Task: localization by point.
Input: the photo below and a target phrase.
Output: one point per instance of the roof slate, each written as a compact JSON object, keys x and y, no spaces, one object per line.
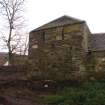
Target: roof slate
{"x":98,"y":42}
{"x":64,"y":20}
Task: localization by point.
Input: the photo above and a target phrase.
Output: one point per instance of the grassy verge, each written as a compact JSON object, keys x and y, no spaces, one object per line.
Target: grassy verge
{"x":90,"y":93}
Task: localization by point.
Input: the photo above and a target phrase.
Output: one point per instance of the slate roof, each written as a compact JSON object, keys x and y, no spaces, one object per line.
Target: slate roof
{"x":64,"y":20}
{"x":98,"y":42}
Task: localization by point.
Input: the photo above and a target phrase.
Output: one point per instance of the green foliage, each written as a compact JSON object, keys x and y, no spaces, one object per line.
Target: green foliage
{"x":54,"y":99}
{"x":91,"y":93}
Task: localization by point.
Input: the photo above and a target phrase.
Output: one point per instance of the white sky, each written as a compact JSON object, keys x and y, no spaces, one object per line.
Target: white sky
{"x":40,"y":12}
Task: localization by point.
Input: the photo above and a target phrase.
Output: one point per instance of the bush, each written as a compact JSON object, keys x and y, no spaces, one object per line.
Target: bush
{"x":91,"y":93}
{"x":53,"y":99}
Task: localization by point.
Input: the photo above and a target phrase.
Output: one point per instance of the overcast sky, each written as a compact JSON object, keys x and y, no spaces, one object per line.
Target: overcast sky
{"x":39,"y":12}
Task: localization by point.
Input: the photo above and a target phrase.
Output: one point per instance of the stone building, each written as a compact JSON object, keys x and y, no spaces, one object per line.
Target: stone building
{"x":65,"y":44}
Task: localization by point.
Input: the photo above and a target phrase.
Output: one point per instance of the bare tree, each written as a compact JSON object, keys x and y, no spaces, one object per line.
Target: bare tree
{"x":21,"y":45}
{"x":12,"y":10}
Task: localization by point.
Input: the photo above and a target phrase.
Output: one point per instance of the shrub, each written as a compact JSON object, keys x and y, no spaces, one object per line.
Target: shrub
{"x":91,"y":93}
{"x":53,"y":99}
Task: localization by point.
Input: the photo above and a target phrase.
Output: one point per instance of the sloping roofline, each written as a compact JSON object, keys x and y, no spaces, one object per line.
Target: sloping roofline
{"x":61,"y":21}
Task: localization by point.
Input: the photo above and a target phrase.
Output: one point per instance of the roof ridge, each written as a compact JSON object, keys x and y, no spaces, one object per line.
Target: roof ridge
{"x":61,"y":21}
{"x":72,"y":17}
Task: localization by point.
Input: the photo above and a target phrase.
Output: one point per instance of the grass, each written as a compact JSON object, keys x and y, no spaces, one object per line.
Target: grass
{"x":90,"y":93}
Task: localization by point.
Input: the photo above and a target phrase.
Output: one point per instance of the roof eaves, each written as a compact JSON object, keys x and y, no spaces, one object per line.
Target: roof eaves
{"x":35,"y":30}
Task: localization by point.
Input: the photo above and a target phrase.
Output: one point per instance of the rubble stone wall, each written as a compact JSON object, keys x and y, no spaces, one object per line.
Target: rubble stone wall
{"x":60,"y":48}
